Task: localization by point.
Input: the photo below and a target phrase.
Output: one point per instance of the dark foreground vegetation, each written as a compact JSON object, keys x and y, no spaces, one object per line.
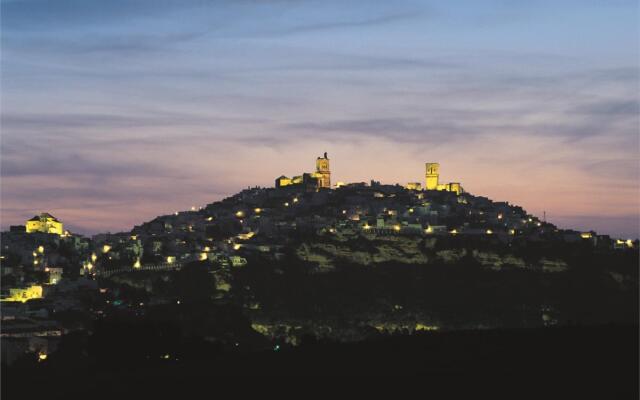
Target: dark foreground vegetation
{"x":595,"y":361}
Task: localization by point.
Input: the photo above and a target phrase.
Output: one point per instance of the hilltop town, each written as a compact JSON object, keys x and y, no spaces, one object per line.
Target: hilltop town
{"x":304,"y":232}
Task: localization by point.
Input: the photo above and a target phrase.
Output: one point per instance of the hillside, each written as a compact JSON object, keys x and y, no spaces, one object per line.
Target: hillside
{"x":342,"y":262}
{"x":345,"y":264}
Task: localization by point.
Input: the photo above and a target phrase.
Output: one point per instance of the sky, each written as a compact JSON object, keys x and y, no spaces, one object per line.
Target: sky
{"x":114,"y":112}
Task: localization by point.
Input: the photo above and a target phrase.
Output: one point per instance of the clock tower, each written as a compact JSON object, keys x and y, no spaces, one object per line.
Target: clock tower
{"x":432,"y":176}
{"x":322,"y":172}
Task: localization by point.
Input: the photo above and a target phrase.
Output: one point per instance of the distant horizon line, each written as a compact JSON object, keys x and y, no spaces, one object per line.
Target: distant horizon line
{"x":90,"y":232}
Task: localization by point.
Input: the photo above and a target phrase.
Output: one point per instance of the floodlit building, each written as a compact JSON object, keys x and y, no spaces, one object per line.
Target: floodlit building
{"x":24,"y":294}
{"x":282,"y":181}
{"x":306,"y":179}
{"x":45,"y":223}
{"x":432,"y":180}
{"x":432,"y":176}
{"x":323,"y":173}
{"x":321,"y":178}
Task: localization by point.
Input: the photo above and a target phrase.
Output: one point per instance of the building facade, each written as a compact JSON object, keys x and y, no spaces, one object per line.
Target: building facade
{"x":432,"y":176}
{"x":45,"y":223}
{"x":323,"y":172}
{"x":432,"y":180}
{"x":321,"y":178}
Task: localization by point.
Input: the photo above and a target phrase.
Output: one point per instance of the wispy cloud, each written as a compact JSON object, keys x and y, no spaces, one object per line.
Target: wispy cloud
{"x":116,"y":111}
{"x":613,"y":108}
{"x":339,"y":25}
{"x":44,"y":164}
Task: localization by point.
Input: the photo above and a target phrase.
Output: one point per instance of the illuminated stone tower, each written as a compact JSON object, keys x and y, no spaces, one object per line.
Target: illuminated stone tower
{"x":432,"y":176}
{"x":322,"y":172}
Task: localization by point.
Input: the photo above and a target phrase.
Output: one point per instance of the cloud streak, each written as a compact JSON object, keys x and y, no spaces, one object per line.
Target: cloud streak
{"x":115,"y":112}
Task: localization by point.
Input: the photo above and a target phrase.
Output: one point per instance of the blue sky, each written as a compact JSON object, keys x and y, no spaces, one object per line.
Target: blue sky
{"x":116,"y":111}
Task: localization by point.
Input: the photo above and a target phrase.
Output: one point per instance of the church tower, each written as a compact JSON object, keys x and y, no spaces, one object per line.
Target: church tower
{"x":322,"y":172}
{"x":432,"y":175}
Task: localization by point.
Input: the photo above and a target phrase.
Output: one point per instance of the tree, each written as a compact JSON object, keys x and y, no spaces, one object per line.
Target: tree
{"x":194,"y":283}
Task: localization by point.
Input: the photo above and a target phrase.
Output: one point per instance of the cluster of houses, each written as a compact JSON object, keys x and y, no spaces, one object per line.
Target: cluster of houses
{"x":45,"y":268}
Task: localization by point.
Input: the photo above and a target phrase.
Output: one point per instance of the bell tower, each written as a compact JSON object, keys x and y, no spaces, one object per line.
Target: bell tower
{"x":432,"y":176}
{"x":322,"y":172}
